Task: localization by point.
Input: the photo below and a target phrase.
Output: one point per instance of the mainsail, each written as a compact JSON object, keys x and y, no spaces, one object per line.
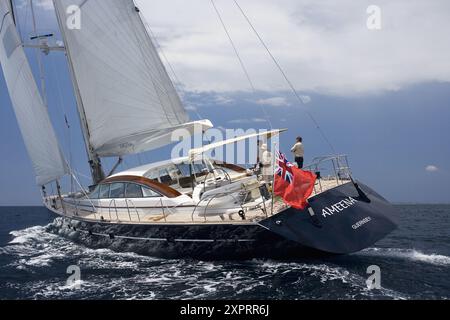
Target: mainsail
{"x":127,"y":99}
{"x":32,"y":116}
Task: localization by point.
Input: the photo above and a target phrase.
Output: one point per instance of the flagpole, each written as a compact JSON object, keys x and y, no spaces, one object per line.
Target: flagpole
{"x":273,"y":176}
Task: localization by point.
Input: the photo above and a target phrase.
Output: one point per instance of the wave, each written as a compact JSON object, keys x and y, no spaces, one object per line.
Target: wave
{"x":410,"y":254}
{"x":38,"y":248}
{"x":106,"y":274}
{"x":329,"y":275}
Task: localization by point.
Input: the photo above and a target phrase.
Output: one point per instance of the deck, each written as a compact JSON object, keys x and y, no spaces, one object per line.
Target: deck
{"x":253,"y":212}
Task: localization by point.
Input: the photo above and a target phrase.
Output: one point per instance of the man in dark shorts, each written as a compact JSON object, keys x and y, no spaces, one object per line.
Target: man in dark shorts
{"x":299,"y":152}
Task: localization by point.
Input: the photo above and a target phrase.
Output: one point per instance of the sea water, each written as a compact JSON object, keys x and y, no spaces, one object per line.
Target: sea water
{"x":414,"y":263}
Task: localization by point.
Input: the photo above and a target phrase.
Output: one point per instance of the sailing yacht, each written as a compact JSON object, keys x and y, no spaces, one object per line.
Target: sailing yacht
{"x":193,"y":206}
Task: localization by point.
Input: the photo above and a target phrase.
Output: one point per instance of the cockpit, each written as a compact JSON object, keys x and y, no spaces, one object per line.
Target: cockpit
{"x":181,"y":175}
{"x":169,"y":179}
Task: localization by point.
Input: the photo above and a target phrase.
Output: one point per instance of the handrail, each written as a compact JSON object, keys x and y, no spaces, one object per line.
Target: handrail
{"x":115,"y":208}
{"x":135,"y":209}
{"x":242,"y":200}
{"x":164,"y":213}
{"x":336,"y":160}
{"x":212,"y":197}
{"x":339,"y":165}
{"x":128,"y":209}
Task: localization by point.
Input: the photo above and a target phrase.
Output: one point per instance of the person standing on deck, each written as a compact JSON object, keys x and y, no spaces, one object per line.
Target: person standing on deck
{"x":266,"y":163}
{"x":299,"y":152}
{"x":259,"y":154}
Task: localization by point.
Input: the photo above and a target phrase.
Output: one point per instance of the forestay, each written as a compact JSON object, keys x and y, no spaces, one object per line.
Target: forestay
{"x":32,"y":116}
{"x":127,"y":97}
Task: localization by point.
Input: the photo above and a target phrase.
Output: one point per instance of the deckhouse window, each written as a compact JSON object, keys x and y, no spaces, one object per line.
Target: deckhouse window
{"x":184,"y":169}
{"x":164,"y":177}
{"x":104,"y":191}
{"x":117,"y":190}
{"x":152,"y":175}
{"x":199,"y":168}
{"x":187,"y":169}
{"x":134,"y":191}
{"x":95,"y":194}
{"x":149,"y":193}
{"x":167,"y":176}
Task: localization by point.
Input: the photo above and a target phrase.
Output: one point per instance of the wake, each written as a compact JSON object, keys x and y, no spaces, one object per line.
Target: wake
{"x":409,"y":254}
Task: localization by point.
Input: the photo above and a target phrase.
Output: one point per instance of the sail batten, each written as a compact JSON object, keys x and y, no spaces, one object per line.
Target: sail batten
{"x":124,"y":88}
{"x":31,"y":113}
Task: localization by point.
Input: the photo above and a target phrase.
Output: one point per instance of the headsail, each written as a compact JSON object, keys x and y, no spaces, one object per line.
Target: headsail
{"x":32,"y":116}
{"x":128,"y":99}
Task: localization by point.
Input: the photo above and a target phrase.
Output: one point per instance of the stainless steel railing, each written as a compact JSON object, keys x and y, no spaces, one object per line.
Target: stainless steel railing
{"x":330,"y":168}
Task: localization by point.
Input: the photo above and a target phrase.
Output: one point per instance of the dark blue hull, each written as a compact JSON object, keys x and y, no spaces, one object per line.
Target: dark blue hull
{"x":356,"y":222}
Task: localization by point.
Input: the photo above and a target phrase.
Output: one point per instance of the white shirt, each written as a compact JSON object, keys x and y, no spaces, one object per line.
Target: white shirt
{"x":266,"y":161}
{"x":298,"y":150}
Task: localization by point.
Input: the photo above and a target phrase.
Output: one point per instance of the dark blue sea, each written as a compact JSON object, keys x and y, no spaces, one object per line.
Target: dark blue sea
{"x":414,"y":263}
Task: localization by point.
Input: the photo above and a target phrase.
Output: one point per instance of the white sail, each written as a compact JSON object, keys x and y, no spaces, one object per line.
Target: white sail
{"x":32,"y":116}
{"x":127,"y":97}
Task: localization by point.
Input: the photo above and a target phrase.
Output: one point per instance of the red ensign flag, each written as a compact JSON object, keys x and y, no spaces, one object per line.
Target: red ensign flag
{"x":293,"y":184}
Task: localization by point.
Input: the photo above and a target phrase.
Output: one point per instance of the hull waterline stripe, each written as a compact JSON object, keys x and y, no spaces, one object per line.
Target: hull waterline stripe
{"x":263,"y":226}
{"x":164,"y":239}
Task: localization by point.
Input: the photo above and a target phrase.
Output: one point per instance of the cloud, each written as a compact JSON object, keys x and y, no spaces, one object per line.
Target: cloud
{"x":44,"y":4}
{"x":431,"y":168}
{"x":223,"y":100}
{"x":324,"y":47}
{"x":274,"y":102}
{"x":242,"y":121}
{"x":190,"y":108}
{"x":306,"y":99}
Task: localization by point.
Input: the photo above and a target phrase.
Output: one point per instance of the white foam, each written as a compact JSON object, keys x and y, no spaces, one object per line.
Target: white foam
{"x":152,"y":278}
{"x":24,"y":236}
{"x":328,"y":273}
{"x":410,"y":254}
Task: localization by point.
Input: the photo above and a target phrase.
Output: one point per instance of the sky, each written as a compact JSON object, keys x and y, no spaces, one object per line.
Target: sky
{"x":381,"y":96}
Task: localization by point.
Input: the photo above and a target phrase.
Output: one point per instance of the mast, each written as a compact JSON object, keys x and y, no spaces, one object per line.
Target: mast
{"x":39,"y":58}
{"x":94,"y":160}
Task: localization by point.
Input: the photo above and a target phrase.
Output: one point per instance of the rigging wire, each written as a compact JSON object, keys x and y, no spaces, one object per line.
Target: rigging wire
{"x":141,"y":44}
{"x":83,"y":190}
{"x":291,"y":85}
{"x":82,"y":175}
{"x":241,"y":62}
{"x":177,"y":83}
{"x":163,"y":54}
{"x":63,"y":111}
{"x":44,"y":91}
{"x":61,"y":105}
